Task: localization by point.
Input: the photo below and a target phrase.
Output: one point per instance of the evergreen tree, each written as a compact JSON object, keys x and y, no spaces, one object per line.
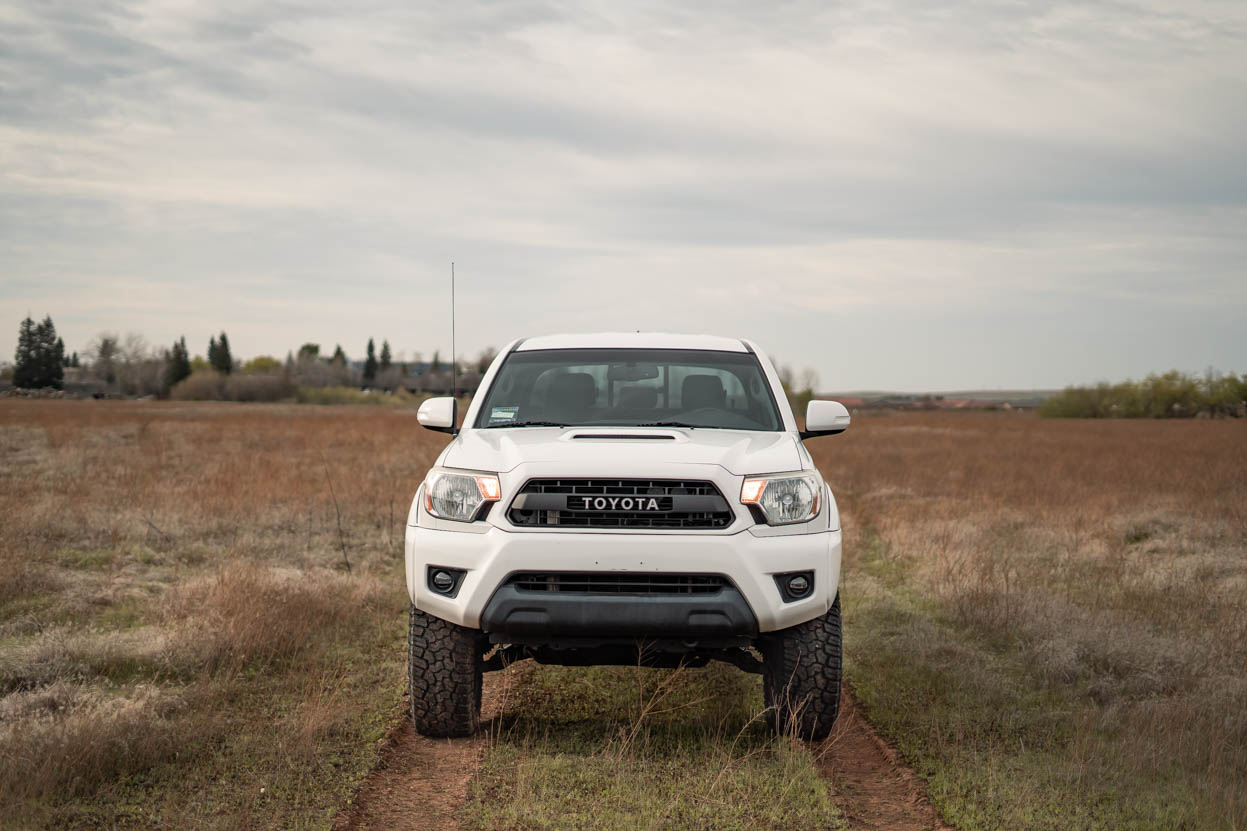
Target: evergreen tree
{"x":436,"y":366}
{"x":24,"y":369}
{"x":339,"y":357}
{"x":223,"y":361}
{"x":177,"y":363}
{"x":309,"y":351}
{"x":386,"y":358}
{"x":52,"y":354}
{"x":40,"y":357}
{"x":370,"y":363}
{"x":213,"y":352}
{"x":73,"y":361}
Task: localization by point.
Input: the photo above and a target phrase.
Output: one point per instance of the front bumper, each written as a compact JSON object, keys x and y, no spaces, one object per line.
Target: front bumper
{"x":515,"y":616}
{"x":747,"y":559}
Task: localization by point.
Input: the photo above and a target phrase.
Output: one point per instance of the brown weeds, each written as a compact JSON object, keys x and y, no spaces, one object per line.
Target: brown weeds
{"x":171,"y":589}
{"x":64,"y":740}
{"x":1110,"y":558}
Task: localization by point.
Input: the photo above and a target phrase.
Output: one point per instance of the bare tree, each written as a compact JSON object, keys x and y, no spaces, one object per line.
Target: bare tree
{"x":313,"y":371}
{"x":140,"y":368}
{"x":103,"y":355}
{"x":809,"y":381}
{"x":485,"y":358}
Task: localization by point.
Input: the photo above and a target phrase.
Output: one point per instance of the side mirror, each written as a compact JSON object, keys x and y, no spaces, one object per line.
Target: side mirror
{"x":825,"y":418}
{"x":440,"y":414}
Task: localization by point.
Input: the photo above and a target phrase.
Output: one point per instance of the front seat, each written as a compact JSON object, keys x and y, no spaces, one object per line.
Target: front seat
{"x":571,"y":396}
{"x":703,"y":391}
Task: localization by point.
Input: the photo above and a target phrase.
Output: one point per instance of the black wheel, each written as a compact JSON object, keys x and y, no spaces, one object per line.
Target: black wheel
{"x":801,"y":681}
{"x":444,"y":671}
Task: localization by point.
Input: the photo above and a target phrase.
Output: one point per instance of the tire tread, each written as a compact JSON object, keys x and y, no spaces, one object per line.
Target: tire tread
{"x":444,"y":676}
{"x":803,"y":669}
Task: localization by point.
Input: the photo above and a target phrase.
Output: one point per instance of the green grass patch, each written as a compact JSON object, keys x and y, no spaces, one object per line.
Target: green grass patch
{"x":78,"y":559}
{"x":40,"y":604}
{"x":998,"y":746}
{"x":626,"y":748}
{"x":354,"y":395}
{"x":126,"y":614}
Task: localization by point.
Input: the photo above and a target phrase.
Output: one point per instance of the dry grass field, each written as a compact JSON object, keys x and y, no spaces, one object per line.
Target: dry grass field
{"x":1047,"y":618}
{"x":183,"y":645}
{"x":181,"y":642}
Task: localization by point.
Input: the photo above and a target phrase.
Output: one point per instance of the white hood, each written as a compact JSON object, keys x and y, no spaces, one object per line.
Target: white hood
{"x":740,"y":452}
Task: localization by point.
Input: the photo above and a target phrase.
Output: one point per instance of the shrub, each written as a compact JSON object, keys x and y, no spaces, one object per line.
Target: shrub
{"x":210,"y":385}
{"x":270,"y":387}
{"x":201,"y":385}
{"x":351,"y":395}
{"x":1171,"y":395}
{"x":261,"y":365}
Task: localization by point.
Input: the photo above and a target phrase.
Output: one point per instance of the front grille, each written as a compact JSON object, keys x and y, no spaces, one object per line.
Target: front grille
{"x":620,"y":503}
{"x":618,"y":583}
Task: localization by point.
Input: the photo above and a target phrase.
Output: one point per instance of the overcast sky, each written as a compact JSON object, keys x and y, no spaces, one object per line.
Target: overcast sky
{"x":906,"y":195}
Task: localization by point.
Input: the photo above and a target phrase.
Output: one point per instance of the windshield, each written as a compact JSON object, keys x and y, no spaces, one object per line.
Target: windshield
{"x":630,"y":387}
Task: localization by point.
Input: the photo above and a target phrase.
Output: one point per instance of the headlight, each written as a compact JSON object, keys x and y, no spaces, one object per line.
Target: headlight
{"x":458,"y":495}
{"x":785,"y":498}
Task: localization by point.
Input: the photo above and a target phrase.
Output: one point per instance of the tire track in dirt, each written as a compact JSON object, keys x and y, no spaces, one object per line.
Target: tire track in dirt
{"x":422,"y":783}
{"x":874,"y":789}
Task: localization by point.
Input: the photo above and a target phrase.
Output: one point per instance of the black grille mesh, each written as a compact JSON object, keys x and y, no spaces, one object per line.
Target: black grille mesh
{"x":658,"y":488}
{"x":618,"y":583}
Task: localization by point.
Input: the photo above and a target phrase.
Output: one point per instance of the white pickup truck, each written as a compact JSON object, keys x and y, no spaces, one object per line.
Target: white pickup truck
{"x":625,"y":499}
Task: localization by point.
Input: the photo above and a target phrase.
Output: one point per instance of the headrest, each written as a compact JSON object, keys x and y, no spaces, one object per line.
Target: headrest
{"x":702,"y":391}
{"x":575,"y":389}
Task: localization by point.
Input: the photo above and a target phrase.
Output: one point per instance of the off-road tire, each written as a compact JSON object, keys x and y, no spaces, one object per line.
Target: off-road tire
{"x":801,"y":677}
{"x":444,"y":672}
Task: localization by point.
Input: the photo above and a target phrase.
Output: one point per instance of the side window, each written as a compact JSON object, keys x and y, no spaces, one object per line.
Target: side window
{"x":737,"y":398}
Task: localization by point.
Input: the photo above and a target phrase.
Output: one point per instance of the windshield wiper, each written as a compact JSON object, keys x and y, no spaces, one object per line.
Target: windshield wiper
{"x":668,"y":424}
{"x":526,"y":424}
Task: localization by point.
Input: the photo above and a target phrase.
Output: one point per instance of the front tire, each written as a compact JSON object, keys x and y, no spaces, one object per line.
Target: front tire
{"x":444,"y":676}
{"x":801,"y":677}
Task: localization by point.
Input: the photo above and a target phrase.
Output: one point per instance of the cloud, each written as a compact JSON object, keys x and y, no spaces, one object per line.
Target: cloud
{"x":799,"y":172}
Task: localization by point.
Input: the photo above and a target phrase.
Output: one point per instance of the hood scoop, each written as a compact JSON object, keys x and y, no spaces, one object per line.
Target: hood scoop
{"x":624,"y":436}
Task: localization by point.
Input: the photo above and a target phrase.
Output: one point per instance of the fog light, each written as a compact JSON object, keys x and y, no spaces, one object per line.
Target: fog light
{"x":443,"y":581}
{"x":795,"y":585}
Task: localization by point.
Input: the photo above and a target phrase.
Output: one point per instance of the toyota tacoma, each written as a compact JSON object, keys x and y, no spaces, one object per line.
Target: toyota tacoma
{"x":626,"y":499}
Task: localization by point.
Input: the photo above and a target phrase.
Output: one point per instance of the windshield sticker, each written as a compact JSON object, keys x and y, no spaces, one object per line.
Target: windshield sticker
{"x":503,"y":414}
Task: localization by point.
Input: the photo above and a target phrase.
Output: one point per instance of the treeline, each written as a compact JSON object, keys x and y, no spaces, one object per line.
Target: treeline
{"x":129,"y":366}
{"x":1171,"y":395}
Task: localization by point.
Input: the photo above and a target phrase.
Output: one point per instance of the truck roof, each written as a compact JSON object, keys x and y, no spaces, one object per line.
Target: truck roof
{"x":633,"y":340}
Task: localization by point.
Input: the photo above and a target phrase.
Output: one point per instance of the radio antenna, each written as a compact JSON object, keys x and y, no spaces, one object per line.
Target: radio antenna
{"x":454,"y":363}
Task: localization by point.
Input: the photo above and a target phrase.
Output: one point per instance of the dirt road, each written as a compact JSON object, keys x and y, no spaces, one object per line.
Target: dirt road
{"x":421,"y":783}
